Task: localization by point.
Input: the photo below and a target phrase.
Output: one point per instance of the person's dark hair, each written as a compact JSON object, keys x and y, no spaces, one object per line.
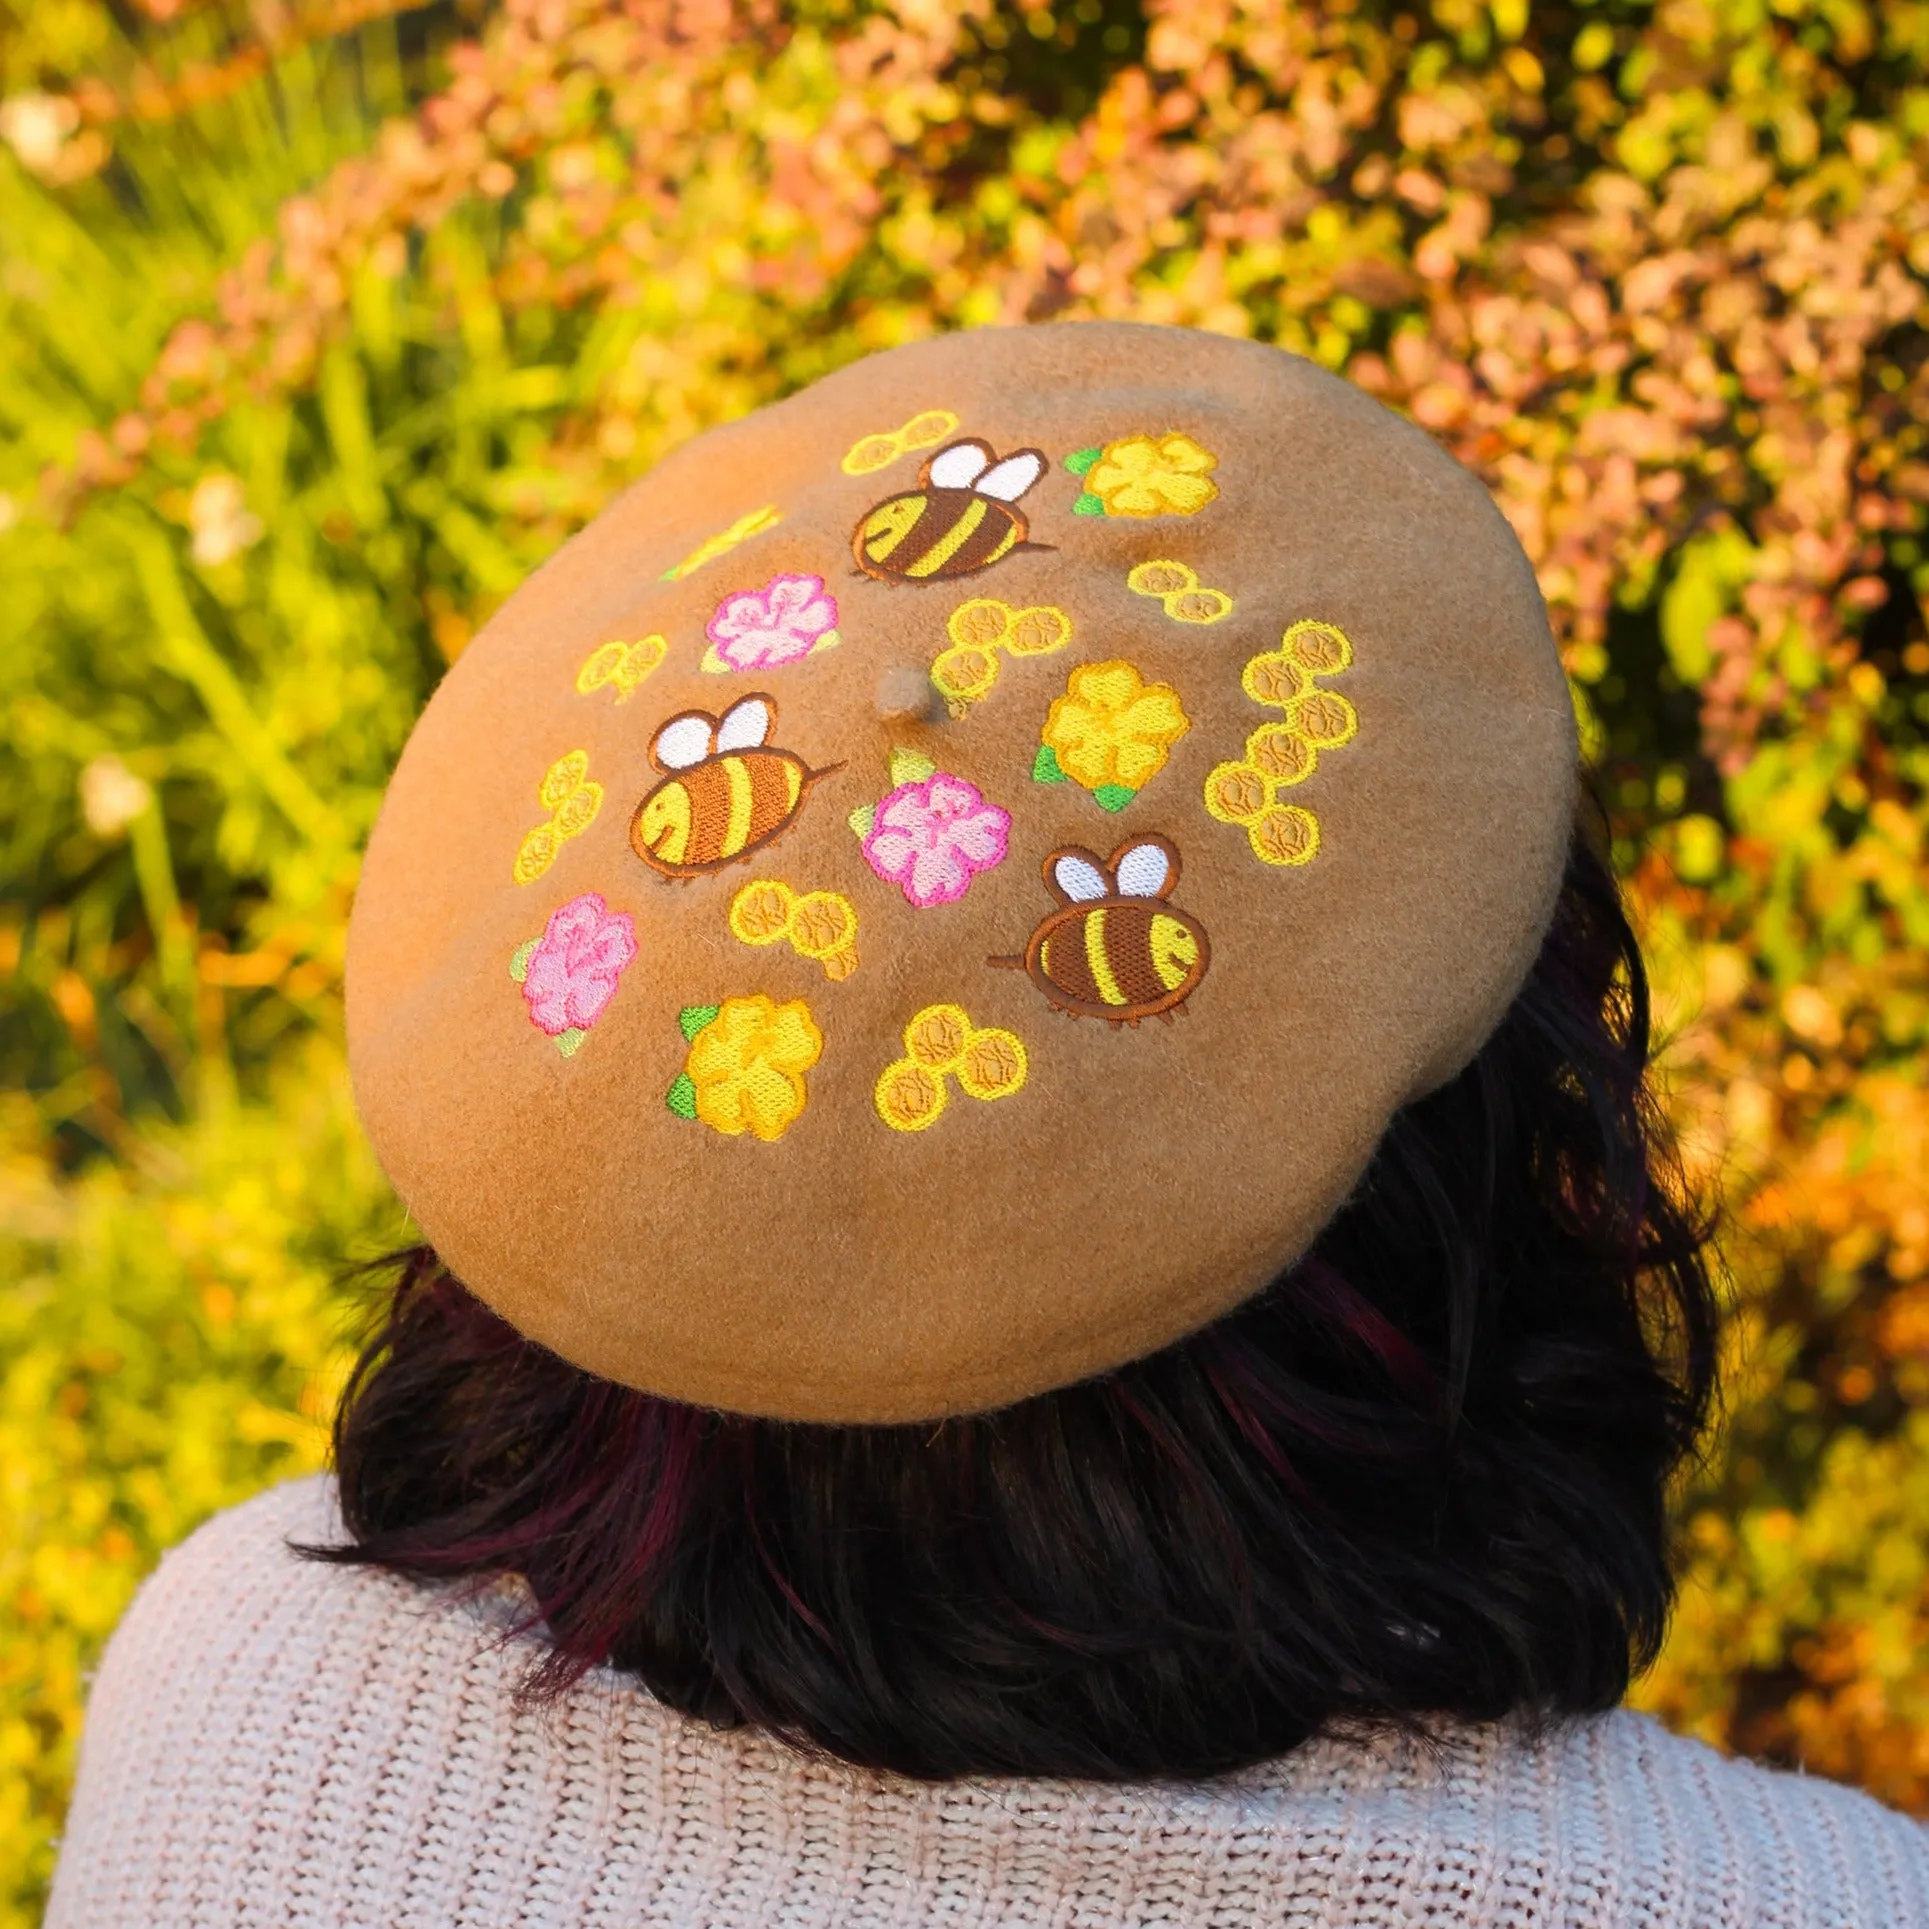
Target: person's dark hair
{"x":1423,"y":1475}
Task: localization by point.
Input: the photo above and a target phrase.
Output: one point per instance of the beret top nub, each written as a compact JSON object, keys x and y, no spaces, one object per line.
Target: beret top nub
{"x":940,"y":889}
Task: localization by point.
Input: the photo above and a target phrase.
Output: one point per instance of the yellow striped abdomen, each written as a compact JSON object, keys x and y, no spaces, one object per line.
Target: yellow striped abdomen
{"x":935,"y":533}
{"x":764,"y":788}
{"x":740,"y":807}
{"x":1126,"y":959}
{"x":1104,"y":979}
{"x":954,"y":539}
{"x":717,"y":811}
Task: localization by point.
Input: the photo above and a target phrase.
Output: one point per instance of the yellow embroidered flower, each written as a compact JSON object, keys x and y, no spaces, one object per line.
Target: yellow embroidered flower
{"x":1143,"y":475}
{"x":1111,"y":728}
{"x":747,"y":1065}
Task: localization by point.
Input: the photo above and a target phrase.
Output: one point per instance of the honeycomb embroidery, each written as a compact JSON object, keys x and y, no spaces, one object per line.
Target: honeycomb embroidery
{"x":1178,"y":591}
{"x":870,"y":453}
{"x":967,"y":671}
{"x":820,"y":925}
{"x":1280,"y":755}
{"x":1111,"y":732}
{"x":746,"y":1063}
{"x":572,"y":802}
{"x":621,"y":667}
{"x":724,"y":542}
{"x":942,"y":1043}
{"x":571,"y":972}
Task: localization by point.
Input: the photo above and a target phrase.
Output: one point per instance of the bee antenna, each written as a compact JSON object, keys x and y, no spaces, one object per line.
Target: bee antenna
{"x":1006,"y":964}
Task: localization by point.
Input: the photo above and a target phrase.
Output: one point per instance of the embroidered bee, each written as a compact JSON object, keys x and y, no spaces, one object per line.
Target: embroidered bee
{"x":1114,"y":948}
{"x":962,"y":516}
{"x":725,"y":793}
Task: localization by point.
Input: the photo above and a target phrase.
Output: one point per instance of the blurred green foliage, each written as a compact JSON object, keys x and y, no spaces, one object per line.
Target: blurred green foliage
{"x":321,"y":323}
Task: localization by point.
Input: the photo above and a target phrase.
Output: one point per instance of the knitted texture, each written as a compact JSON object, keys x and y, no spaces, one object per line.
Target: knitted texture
{"x":276,"y":1743}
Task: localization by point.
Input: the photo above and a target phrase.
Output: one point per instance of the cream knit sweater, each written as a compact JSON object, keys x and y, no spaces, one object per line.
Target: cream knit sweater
{"x":275,"y":1743}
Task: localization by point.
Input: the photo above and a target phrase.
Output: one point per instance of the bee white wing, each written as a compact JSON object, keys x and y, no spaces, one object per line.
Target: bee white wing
{"x":1144,"y":871}
{"x":683,"y":741}
{"x":745,"y":725}
{"x":1081,"y":880}
{"x":1009,"y":479}
{"x":960,"y":465}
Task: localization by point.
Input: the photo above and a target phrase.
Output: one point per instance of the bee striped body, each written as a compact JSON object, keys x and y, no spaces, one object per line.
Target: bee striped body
{"x":723,"y":809}
{"x":725,"y":792}
{"x":1114,"y":948}
{"x":961,"y":517}
{"x":935,"y":532}
{"x":1123,"y":959}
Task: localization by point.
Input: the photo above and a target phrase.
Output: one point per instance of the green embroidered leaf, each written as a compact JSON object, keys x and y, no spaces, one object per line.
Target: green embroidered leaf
{"x":566,"y":1042}
{"x":692,"y":1019}
{"x":1044,"y":766}
{"x":910,"y":767}
{"x":862,"y":818}
{"x":519,"y":964}
{"x":1113,"y":796}
{"x":1082,"y":459}
{"x":681,"y":1098}
{"x":1088,"y":505}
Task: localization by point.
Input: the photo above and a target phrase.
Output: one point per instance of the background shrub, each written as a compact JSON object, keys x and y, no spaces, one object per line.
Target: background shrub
{"x":322,"y":321}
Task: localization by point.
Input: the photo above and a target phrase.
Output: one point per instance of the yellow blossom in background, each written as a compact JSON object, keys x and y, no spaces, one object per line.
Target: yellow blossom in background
{"x":1112,"y":727}
{"x":1143,"y":475}
{"x":748,"y":1065}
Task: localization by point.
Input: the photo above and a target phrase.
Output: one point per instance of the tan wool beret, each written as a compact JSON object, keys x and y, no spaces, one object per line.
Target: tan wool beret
{"x":939,"y":891}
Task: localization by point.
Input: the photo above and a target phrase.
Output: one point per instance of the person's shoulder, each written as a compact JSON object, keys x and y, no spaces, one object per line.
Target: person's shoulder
{"x":248,"y":1570}
{"x":241,"y":1681}
{"x":251,"y":1543}
{"x":255,"y":1540}
{"x":243,"y":1609}
{"x":1797,"y":1848}
{"x":304,"y":1510}
{"x":1630,"y":1747}
{"x":1597,"y":1820}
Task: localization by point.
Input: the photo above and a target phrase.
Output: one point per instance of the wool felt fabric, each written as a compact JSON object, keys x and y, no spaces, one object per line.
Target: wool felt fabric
{"x":745,"y":1030}
{"x":269,"y":1741}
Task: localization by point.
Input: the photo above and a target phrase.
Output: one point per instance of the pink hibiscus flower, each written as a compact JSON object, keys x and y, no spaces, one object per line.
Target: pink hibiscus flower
{"x":932,"y":837}
{"x":756,"y":629}
{"x":572,"y":973}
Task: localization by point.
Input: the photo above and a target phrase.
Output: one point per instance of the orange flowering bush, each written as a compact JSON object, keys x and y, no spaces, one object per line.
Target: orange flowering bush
{"x":319,"y":333}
